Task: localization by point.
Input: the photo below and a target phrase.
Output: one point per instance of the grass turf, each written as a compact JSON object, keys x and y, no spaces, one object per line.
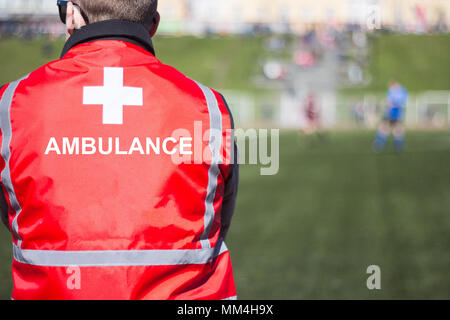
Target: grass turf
{"x":212,"y":61}
{"x":334,"y":209}
{"x":420,"y":62}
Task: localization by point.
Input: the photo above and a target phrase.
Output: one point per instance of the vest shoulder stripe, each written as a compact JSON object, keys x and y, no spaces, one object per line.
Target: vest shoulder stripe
{"x":215,"y":144}
{"x":5,"y":126}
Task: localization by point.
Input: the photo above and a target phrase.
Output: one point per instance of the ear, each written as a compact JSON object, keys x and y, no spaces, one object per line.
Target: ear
{"x":74,"y":19}
{"x":155,"y":24}
{"x":70,"y":20}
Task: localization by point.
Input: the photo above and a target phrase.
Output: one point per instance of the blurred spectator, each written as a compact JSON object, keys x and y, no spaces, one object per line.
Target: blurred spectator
{"x":312,"y":115}
{"x":358,"y":113}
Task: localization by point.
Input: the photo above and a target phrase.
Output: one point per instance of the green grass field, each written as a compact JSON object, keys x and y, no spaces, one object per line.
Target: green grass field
{"x":334,"y":209}
{"x":420,"y":62}
{"x":213,"y":61}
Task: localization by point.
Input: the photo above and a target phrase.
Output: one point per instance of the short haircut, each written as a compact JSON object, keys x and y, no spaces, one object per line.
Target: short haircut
{"x":139,"y":11}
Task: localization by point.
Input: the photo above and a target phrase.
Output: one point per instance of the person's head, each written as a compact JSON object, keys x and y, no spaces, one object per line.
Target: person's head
{"x":82,"y":12}
{"x":392,"y":83}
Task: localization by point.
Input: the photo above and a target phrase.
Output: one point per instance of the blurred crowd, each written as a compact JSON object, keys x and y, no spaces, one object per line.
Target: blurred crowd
{"x":31,"y":29}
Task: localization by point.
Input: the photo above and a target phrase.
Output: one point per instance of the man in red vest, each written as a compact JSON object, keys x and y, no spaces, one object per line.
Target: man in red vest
{"x":117,"y":176}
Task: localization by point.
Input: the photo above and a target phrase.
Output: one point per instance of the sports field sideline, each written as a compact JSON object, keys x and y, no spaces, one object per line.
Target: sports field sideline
{"x":335,"y":207}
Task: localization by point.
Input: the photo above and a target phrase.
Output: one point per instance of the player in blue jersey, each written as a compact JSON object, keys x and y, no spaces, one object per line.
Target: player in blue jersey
{"x":397,"y":98}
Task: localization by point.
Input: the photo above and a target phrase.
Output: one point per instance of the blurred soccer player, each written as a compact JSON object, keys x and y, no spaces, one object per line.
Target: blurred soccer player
{"x":312,"y":115}
{"x":397,"y":96}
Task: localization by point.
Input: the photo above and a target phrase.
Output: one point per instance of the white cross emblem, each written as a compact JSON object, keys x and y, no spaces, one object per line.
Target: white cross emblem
{"x":113,"y":96}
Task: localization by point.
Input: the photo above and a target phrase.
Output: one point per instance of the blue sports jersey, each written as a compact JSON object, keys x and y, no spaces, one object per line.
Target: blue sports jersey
{"x":397,"y":97}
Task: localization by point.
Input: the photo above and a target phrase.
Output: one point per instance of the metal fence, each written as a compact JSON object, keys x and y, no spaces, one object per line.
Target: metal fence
{"x":429,"y":109}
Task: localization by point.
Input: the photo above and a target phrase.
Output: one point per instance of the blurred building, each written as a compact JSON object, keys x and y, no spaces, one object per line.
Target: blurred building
{"x":299,"y":15}
{"x":27,"y":9}
{"x":237,"y":16}
{"x":29,"y":18}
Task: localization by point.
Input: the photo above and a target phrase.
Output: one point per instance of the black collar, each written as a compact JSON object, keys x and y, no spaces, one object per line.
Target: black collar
{"x":111,"y":30}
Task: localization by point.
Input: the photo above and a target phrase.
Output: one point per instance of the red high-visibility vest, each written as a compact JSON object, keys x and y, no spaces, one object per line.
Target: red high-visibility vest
{"x":98,"y":208}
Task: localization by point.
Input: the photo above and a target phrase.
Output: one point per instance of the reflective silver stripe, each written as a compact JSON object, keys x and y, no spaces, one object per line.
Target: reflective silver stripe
{"x":5,"y":127}
{"x":215,"y":144}
{"x":230,"y":298}
{"x":118,"y":258}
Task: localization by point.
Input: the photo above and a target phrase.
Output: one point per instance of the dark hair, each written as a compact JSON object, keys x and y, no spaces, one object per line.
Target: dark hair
{"x":140,"y":11}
